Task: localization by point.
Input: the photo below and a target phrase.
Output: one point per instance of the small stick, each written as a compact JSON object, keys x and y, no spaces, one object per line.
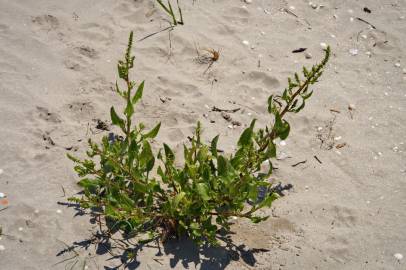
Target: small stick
{"x":364,"y":21}
{"x":63,"y":190}
{"x":318,"y":159}
{"x":334,"y":110}
{"x":215,"y":109}
{"x":301,"y":162}
{"x":157,"y":32}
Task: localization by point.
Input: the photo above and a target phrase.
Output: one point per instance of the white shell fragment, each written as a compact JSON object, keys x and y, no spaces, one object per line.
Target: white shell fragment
{"x":353,"y":51}
{"x":282,"y":143}
{"x":59,"y":211}
{"x":398,"y":256}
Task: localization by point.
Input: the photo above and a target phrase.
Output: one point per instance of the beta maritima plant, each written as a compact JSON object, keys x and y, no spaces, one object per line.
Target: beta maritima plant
{"x":121,"y":188}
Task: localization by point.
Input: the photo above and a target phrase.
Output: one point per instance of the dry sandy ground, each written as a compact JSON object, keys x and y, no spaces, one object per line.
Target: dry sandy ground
{"x":57,"y":67}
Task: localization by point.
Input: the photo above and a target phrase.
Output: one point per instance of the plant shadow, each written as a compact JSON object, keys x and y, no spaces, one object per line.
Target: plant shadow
{"x":179,"y":251}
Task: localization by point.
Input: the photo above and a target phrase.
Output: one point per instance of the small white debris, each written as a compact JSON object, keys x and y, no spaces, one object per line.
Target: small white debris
{"x":351,"y":19}
{"x":351,"y":106}
{"x":59,"y":211}
{"x":282,"y":143}
{"x":404,"y":72}
{"x":364,"y":36}
{"x":36,"y":211}
{"x":249,"y":114}
{"x":1,"y":171}
{"x":2,"y":195}
{"x":368,"y":202}
{"x":308,"y":55}
{"x":230,"y":126}
{"x":207,"y":106}
{"x":337,"y":138}
{"x":2,"y":248}
{"x":246,"y":42}
{"x":395,"y":149}
{"x":398,"y":256}
{"x":380,"y":153}
{"x":335,"y":16}
{"x":353,"y":51}
{"x":205,"y":115}
{"x":320,"y":128}
{"x":338,"y":152}
{"x":397,"y":64}
{"x":248,"y":1}
{"x":292,"y":8}
{"x":20,"y":229}
{"x":234,"y":217}
{"x":306,"y":187}
{"x":86,"y":267}
{"x":333,"y":36}
{"x":262,"y":33}
{"x":323,"y":45}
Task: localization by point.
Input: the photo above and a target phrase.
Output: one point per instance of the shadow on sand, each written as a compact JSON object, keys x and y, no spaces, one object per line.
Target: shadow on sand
{"x":181,"y":251}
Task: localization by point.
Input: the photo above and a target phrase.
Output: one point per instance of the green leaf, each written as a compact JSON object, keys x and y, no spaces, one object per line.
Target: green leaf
{"x":152,"y":134}
{"x":269,"y":200}
{"x":138,"y":94}
{"x":222,"y":165}
{"x":258,"y":219}
{"x":270,"y":103}
{"x":178,"y":198}
{"x":147,"y":158}
{"x":129,"y":110}
{"x":203,"y":191}
{"x":271,"y":150}
{"x":282,"y":127}
{"x":246,"y":136}
{"x":115,"y":119}
{"x":170,"y":156}
{"x":213,"y":146}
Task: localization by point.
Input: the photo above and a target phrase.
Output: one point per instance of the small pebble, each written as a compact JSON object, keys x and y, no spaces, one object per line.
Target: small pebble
{"x":353,"y":51}
{"x":404,"y":72}
{"x":59,"y":211}
{"x":248,"y":1}
{"x":1,"y":171}
{"x":292,"y":8}
{"x":337,"y":138}
{"x":308,"y":55}
{"x":323,"y":45}
{"x":2,"y":195}
{"x":351,"y":106}
{"x":368,"y":54}
{"x":398,"y":256}
{"x":320,"y":128}
{"x":230,"y":126}
{"x":36,"y":211}
{"x":351,"y":19}
{"x":246,"y":42}
{"x":20,"y":229}
{"x":2,"y":248}
{"x":397,"y":64}
{"x":364,"y":36}
{"x":234,"y":217}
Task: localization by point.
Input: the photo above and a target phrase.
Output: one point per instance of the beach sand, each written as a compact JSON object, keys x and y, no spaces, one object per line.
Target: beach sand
{"x":347,"y":210}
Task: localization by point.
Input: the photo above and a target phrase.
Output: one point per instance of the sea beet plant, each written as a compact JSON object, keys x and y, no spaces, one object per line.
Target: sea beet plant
{"x":145,"y":195}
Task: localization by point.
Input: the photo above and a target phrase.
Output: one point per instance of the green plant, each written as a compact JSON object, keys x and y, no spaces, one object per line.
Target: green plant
{"x":197,"y":198}
{"x":168,"y":9}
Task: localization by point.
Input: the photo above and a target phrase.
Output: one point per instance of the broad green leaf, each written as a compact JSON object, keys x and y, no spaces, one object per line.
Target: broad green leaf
{"x":269,"y":200}
{"x":115,"y":119}
{"x":129,"y":110}
{"x":153,"y":132}
{"x":213,"y":146}
{"x":138,"y":93}
{"x":170,"y":156}
{"x":271,"y":150}
{"x":203,"y":191}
